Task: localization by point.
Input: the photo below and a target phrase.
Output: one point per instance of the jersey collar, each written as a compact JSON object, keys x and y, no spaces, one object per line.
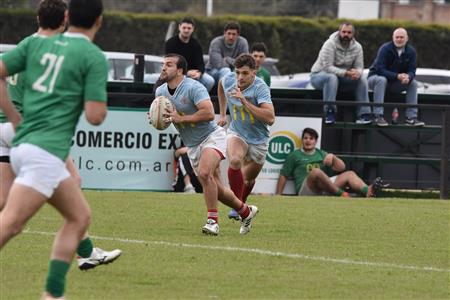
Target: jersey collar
{"x":76,"y":35}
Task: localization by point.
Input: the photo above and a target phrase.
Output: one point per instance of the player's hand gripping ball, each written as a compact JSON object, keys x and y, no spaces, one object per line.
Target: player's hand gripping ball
{"x":158,"y":113}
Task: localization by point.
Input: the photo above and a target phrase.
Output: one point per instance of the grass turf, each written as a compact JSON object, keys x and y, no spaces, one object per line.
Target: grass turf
{"x":299,"y":247}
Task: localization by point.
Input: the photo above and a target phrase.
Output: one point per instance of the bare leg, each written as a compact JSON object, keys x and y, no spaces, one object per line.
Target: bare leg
{"x":6,"y":180}
{"x":226,"y":195}
{"x":318,"y":182}
{"x":236,"y":150}
{"x":70,"y":202}
{"x":209,"y":162}
{"x":250,"y":171}
{"x":349,"y":179}
{"x":22,"y":203}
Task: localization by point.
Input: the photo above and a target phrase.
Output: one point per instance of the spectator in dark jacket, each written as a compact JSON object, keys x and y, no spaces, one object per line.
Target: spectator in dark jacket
{"x":187,"y":46}
{"x":394,"y":70}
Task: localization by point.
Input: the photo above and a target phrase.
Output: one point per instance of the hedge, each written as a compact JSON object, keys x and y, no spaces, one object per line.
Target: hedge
{"x":295,"y":41}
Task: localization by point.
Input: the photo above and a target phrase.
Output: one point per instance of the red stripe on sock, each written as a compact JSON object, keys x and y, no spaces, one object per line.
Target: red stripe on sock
{"x":246,"y":190}
{"x":236,"y":181}
{"x":212,"y":214}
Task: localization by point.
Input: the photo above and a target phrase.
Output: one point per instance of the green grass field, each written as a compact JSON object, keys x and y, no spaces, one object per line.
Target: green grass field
{"x":298,"y":248}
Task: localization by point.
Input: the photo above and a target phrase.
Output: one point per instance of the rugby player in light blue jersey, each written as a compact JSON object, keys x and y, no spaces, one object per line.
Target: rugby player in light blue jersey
{"x":252,"y":112}
{"x":193,"y":116}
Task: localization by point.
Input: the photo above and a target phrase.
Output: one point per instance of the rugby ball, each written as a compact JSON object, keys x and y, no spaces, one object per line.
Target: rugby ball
{"x":157,"y":113}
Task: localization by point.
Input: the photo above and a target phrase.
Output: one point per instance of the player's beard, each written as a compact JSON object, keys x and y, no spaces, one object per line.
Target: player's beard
{"x":345,"y":41}
{"x":168,"y":77}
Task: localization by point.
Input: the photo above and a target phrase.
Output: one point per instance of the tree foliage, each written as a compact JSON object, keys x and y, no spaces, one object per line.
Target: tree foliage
{"x":295,"y":41}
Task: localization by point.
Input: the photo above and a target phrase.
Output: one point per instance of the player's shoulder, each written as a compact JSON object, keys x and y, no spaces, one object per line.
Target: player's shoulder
{"x":160,"y":89}
{"x":32,"y":40}
{"x":260,"y":83}
{"x":260,"y":86}
{"x":79,"y":42}
{"x":229,"y":79}
{"x":189,"y":82}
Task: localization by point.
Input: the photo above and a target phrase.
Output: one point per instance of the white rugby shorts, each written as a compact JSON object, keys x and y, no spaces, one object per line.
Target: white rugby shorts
{"x":38,"y":169}
{"x":256,"y":153}
{"x":216,"y":140}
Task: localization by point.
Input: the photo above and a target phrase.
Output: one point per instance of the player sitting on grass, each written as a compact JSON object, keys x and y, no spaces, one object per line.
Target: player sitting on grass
{"x":308,"y":167}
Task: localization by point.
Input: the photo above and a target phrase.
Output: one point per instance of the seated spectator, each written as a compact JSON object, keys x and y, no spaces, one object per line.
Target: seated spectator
{"x":189,"y":47}
{"x":224,"y":49}
{"x":309,"y":167}
{"x":185,"y":179}
{"x":259,"y":53}
{"x":339,"y":66}
{"x":394,"y":70}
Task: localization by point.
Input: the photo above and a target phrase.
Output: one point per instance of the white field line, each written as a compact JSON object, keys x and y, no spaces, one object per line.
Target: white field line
{"x":261,"y":252}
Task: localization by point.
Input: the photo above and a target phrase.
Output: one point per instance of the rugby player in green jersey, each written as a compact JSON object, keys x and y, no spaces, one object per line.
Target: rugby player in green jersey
{"x":310,"y":166}
{"x":64,"y":74}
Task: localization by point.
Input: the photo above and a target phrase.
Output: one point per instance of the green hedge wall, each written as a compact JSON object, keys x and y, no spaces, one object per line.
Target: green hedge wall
{"x":294,"y":40}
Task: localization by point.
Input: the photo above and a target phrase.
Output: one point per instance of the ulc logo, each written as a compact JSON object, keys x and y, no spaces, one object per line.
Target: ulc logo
{"x":282,"y":143}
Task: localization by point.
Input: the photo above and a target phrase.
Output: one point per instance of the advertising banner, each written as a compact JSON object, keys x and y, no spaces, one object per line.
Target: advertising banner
{"x":127,"y":153}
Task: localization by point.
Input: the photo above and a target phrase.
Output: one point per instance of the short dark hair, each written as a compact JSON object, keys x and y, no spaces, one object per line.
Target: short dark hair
{"x":260,"y":47}
{"x":311,"y":132}
{"x":346,"y":23}
{"x":232,"y":26}
{"x":181,"y":62}
{"x":187,"y":20}
{"x":245,"y":59}
{"x":51,"y":13}
{"x":84,"y":13}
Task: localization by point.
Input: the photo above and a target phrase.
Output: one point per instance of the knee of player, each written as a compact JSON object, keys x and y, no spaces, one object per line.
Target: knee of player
{"x":314,"y":173}
{"x":205,"y":175}
{"x":235,"y":163}
{"x":13,"y":225}
{"x":83,"y":220}
{"x":351,"y":174}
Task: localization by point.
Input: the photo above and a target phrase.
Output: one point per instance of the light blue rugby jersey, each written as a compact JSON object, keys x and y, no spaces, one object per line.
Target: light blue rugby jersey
{"x":242,"y":121}
{"x":189,"y":93}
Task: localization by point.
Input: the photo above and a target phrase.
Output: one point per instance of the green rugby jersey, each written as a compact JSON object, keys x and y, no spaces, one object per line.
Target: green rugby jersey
{"x":60,"y":73}
{"x":298,"y":164}
{"x":264,"y":74}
